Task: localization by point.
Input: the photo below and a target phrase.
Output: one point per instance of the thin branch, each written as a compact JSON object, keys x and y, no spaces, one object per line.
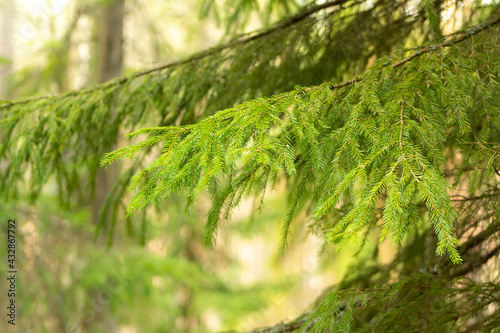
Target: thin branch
{"x":287,"y":23}
{"x":297,"y":323}
{"x":284,"y":327}
{"x":427,"y":49}
{"x":473,"y":198}
{"x":478,"y":261}
{"x":479,"y":238}
{"x":243,"y":40}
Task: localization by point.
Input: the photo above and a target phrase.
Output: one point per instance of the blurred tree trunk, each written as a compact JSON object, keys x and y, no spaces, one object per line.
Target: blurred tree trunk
{"x":110,"y":66}
{"x":6,"y":45}
{"x":111,"y":41}
{"x":110,"y":45}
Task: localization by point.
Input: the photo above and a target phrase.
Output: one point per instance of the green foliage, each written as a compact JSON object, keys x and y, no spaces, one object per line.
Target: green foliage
{"x":428,"y":298}
{"x":65,"y":136}
{"x":4,"y":61}
{"x":434,"y":17}
{"x":237,"y":14}
{"x":124,"y":283}
{"x":382,"y":138}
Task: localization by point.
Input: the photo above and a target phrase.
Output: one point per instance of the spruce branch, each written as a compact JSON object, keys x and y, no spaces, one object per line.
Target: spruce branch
{"x":404,"y":156}
{"x":463,"y":35}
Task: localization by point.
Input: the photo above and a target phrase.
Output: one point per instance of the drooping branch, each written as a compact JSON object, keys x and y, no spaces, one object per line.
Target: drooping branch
{"x":248,"y":38}
{"x":463,"y":35}
{"x":242,"y":40}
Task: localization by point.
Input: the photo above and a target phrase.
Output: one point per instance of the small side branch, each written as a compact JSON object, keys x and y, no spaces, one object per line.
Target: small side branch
{"x":427,"y":49}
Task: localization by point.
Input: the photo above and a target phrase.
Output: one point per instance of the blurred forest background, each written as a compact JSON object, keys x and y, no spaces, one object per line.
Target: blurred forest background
{"x":156,"y":276}
{"x":152,"y":273}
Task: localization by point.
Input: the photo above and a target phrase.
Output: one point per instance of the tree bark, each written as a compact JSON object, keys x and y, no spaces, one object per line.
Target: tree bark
{"x":111,"y":41}
{"x":110,"y":66}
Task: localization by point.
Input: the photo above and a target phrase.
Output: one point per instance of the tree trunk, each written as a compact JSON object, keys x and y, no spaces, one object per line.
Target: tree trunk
{"x":111,"y":41}
{"x":110,"y":66}
{"x":6,"y":46}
